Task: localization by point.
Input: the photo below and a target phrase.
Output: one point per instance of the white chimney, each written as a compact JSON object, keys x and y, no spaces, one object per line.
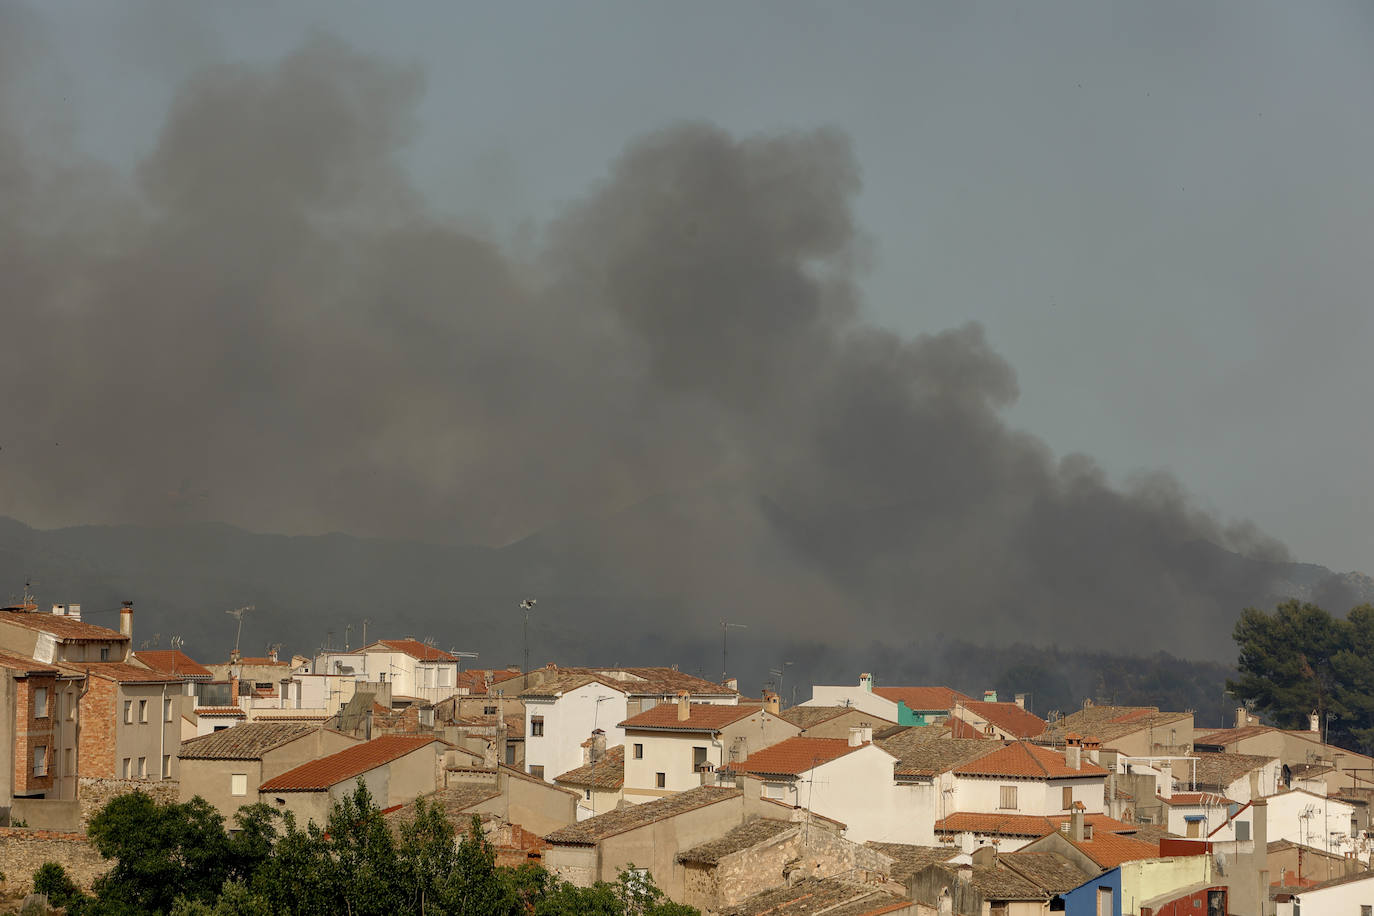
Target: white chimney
{"x":866,"y":682}
{"x":126,"y":619}
{"x":1165,"y":789}
{"x":1314,"y":723}
{"x":1076,"y":832}
{"x":684,"y":706}
{"x":1021,"y":701}
{"x":272,"y":654}
{"x":856,"y":735}
{"x":1073,"y":751}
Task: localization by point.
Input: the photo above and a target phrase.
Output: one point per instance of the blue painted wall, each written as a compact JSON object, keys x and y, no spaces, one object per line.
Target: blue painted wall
{"x":1082,"y":900}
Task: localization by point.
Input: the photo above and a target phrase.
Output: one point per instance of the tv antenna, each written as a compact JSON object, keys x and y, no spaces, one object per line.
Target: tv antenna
{"x":176,"y":642}
{"x":238,"y":613}
{"x":527,"y":605}
{"x":725,"y":628}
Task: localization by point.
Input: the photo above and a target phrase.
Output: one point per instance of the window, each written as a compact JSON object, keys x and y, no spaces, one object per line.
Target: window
{"x":1366,"y":910}
{"x":104,"y":653}
{"x":1008,"y":798}
{"x":126,"y":768}
{"x":1243,"y":831}
{"x":536,"y":726}
{"x":219,"y":728}
{"x":71,"y":706}
{"x":698,"y":759}
{"x":381,"y":678}
{"x":488,"y":710}
{"x":70,"y":758}
{"x":143,"y":710}
{"x":639,"y":752}
{"x":128,"y":712}
{"x":510,"y":755}
{"x":587,"y":793}
{"x":40,"y":760}
{"x":40,"y":703}
{"x":167,"y":709}
{"x":166,"y":766}
{"x":661,"y":780}
{"x":774,"y":790}
{"x":1068,"y":797}
{"x":238,"y":784}
{"x":143,"y":768}
{"x":1104,"y":901}
{"x":537,"y":772}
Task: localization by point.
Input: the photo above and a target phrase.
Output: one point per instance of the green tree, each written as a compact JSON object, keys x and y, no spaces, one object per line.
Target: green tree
{"x":633,"y":893}
{"x":52,"y":880}
{"x":1285,"y":661}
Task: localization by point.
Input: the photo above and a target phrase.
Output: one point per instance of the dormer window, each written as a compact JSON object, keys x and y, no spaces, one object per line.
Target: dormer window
{"x":104,"y":653}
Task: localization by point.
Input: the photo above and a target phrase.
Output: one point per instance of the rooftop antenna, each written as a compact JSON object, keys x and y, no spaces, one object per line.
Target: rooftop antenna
{"x":176,"y":642}
{"x":725,"y":628}
{"x":366,"y":621}
{"x":348,"y":634}
{"x":460,"y":656}
{"x":527,"y":605}
{"x":238,"y":613}
{"x":778,"y":673}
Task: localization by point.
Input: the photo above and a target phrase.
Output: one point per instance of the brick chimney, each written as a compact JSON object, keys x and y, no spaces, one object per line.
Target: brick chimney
{"x":126,"y":619}
{"x":771,"y":703}
{"x":233,"y":686}
{"x":684,"y":706}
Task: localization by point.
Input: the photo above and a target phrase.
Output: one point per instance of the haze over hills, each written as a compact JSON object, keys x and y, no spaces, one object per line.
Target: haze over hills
{"x":597,"y":603}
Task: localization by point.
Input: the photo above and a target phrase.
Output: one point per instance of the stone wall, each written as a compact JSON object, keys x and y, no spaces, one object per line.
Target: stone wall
{"x":23,"y":850}
{"x":96,"y":793}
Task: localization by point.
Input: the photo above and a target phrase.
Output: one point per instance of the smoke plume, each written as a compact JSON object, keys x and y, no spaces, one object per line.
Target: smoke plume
{"x":677,"y":392}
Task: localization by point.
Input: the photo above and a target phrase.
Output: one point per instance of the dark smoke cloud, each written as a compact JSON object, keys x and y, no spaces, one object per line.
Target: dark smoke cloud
{"x":680,"y":391}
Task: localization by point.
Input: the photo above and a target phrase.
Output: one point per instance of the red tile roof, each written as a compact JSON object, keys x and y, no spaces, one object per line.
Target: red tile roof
{"x":67,"y":629}
{"x":319,"y":775}
{"x":958,"y":728}
{"x":794,"y":756}
{"x":16,"y":662}
{"x":173,"y":661}
{"x":1111,"y":849}
{"x":415,"y":649}
{"x":918,"y":699}
{"x":221,"y":711}
{"x":261,"y":661}
{"x":1009,"y":717}
{"x":124,"y":673}
{"x":1027,"y":761}
{"x":606,"y":773}
{"x":1023,"y":825}
{"x":701,"y":717}
{"x":1205,"y":799}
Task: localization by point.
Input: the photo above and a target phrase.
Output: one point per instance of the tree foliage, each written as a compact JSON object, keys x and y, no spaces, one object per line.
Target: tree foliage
{"x":178,"y":859}
{"x":1301,"y":660}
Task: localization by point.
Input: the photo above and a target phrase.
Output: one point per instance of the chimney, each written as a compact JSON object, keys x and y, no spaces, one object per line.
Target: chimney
{"x":732,"y":683}
{"x":233,"y":686}
{"x":1165,"y":789}
{"x":985,"y":855}
{"x":1242,"y":718}
{"x":1073,"y":750}
{"x":1076,"y":832}
{"x":1314,"y":723}
{"x":598,"y":748}
{"x":965,"y":873}
{"x":1021,"y":701}
{"x":684,"y":706}
{"x":1259,"y":833}
{"x":771,"y":703}
{"x":272,"y":654}
{"x":860,"y":735}
{"x":1093,"y":748}
{"x":866,"y":682}
{"x":989,"y":696}
{"x":126,"y":619}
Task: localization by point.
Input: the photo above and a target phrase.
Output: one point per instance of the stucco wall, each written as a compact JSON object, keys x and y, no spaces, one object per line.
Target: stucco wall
{"x":858,"y":790}
{"x":1035,"y":797}
{"x":212,"y":780}
{"x":855,"y":696}
{"x":153,"y":739}
{"x":656,"y":846}
{"x":1150,"y":878}
{"x":539,"y":808}
{"x":568,"y":721}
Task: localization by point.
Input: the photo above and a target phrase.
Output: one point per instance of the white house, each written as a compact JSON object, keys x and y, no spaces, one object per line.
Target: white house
{"x":1353,"y":894}
{"x":568,"y":704}
{"x":1196,"y":814}
{"x":413,"y":669}
{"x":850,"y":781}
{"x":677,"y":746}
{"x":1312,"y":820}
{"x":903,"y":705}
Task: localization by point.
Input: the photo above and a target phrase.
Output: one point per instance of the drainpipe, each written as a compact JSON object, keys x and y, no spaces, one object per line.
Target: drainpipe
{"x":162,"y":738}
{"x":80,"y":717}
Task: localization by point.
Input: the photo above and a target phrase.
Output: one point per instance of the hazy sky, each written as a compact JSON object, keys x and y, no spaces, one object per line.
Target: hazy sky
{"x":1161,"y":213}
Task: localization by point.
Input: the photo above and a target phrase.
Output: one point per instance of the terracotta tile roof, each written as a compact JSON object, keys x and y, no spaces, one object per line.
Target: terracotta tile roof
{"x":123,"y":672}
{"x":1048,"y":870}
{"x":923,"y":699}
{"x":807,"y":716}
{"x":173,"y":661}
{"x":907,"y":859}
{"x":251,"y":661}
{"x":221,"y":711}
{"x":1190,"y":799}
{"x":751,"y":833}
{"x":1111,"y":849}
{"x":1226,"y":736}
{"x":1022,"y":825}
{"x":793,"y":756}
{"x":16,"y":662}
{"x":622,"y":820}
{"x":606,"y":773}
{"x":319,"y":775}
{"x":1009,"y":717}
{"x":958,"y":728}
{"x":921,"y":754}
{"x":830,"y":896}
{"x":248,"y":741}
{"x":414,"y":648}
{"x":1027,"y":761}
{"x":1108,"y":723}
{"x":650,"y":682}
{"x":67,"y":629}
{"x":701,"y":717}
{"x":1220,"y":771}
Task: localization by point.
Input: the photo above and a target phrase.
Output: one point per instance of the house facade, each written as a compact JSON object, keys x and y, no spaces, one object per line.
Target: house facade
{"x":903,"y":705}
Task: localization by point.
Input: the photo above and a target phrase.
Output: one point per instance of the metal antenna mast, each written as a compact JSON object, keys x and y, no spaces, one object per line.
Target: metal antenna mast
{"x":527,"y":605}
{"x":725,"y":628}
{"x":238,"y":613}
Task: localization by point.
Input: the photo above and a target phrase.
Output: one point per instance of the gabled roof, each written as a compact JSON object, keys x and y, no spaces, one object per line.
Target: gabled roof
{"x":811,"y":896}
{"x":1196,"y":799}
{"x":751,"y":833}
{"x":319,"y":775}
{"x":1111,"y":849}
{"x":1225,"y":736}
{"x":1220,"y":771}
{"x":1027,"y":761}
{"x":1108,"y":723}
{"x":622,"y":820}
{"x":808,"y":716}
{"x":67,"y":629}
{"x":412,"y":647}
{"x":646,"y":682}
{"x":606,"y":773}
{"x":1009,"y":717}
{"x":923,"y":699}
{"x":701,"y":717}
{"x":1051,"y":871}
{"x":920,"y":756}
{"x":908,"y":859}
{"x":123,"y":672}
{"x":248,"y":741}
{"x":794,"y":756}
{"x":22,"y":663}
{"x":174,"y":661}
